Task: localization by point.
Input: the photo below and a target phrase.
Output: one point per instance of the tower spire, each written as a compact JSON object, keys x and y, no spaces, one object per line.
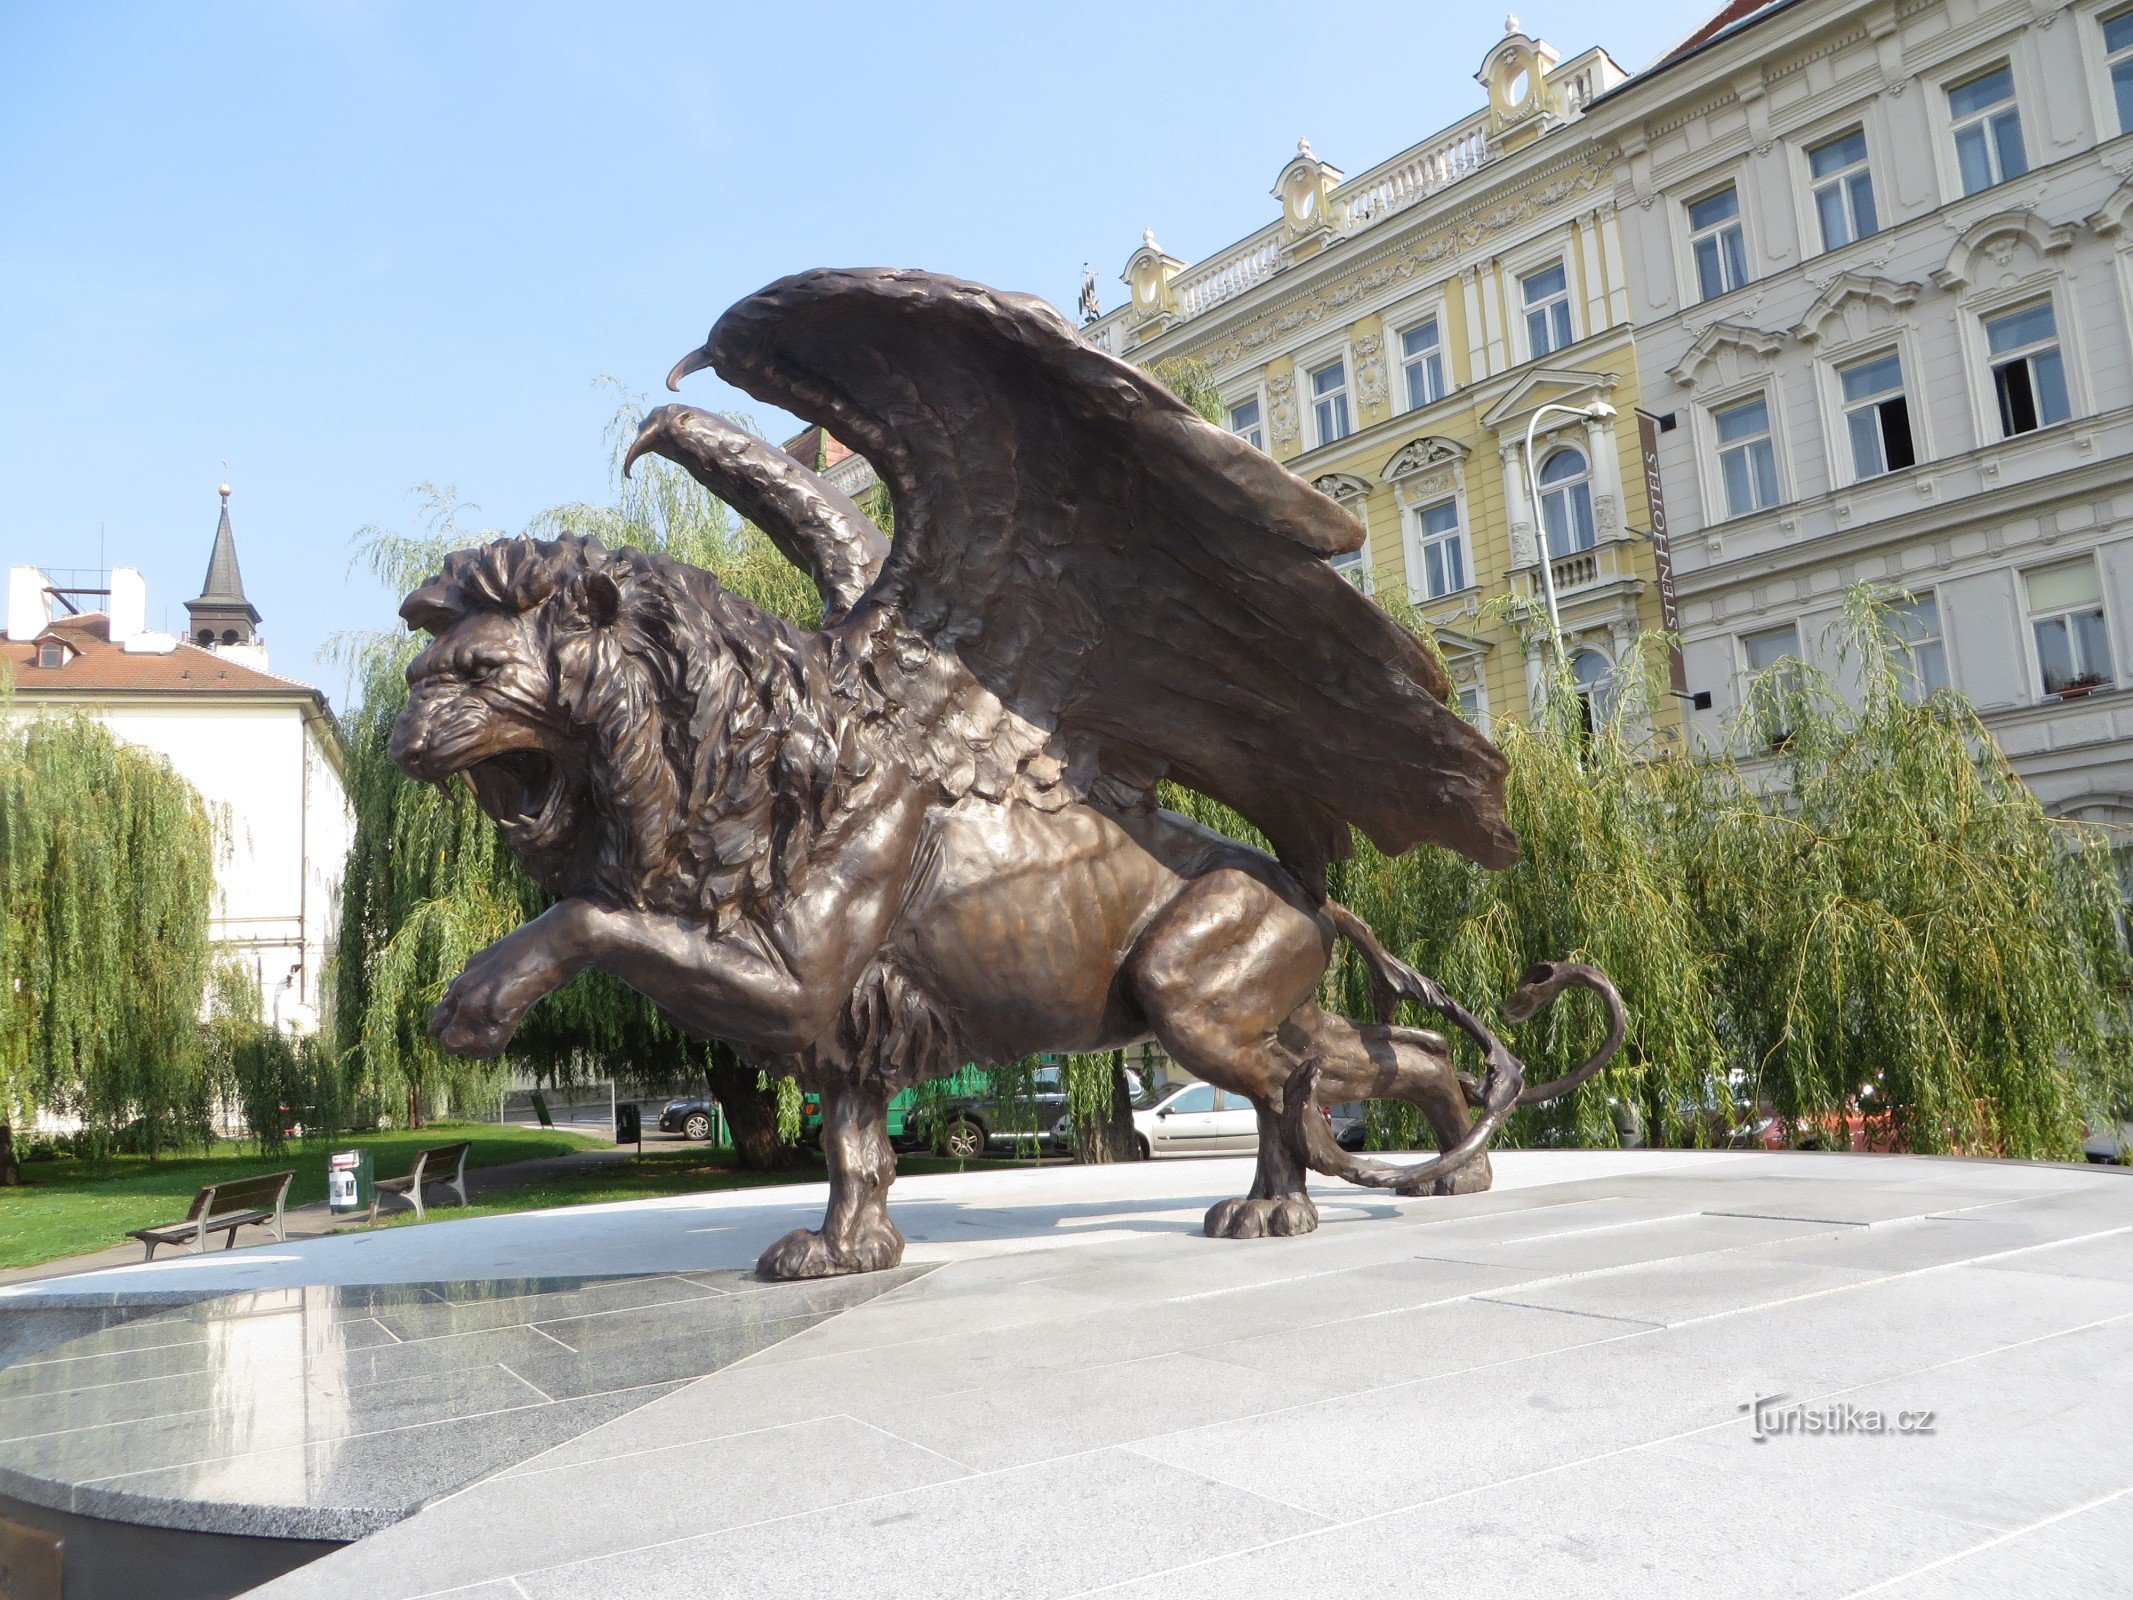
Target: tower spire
{"x":221,"y":614}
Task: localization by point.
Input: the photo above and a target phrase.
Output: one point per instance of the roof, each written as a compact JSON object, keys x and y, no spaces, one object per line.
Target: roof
{"x":1728,"y":18}
{"x":817,"y":449}
{"x":224,"y":584}
{"x":97,"y":666}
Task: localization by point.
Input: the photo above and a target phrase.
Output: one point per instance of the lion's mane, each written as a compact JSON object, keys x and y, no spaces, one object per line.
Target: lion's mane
{"x":720,"y":739}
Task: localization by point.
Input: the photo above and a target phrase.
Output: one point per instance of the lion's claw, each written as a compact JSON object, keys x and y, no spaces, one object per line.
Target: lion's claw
{"x":1252,"y":1218}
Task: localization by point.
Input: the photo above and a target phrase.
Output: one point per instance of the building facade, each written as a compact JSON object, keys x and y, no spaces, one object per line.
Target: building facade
{"x":262,"y":750}
{"x":1391,"y":336}
{"x":1882,"y":281}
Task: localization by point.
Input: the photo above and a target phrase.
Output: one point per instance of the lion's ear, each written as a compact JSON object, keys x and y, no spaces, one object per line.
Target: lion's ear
{"x":602,"y":599}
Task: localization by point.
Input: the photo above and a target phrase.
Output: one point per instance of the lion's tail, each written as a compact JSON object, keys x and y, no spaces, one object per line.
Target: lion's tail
{"x":1392,"y":981}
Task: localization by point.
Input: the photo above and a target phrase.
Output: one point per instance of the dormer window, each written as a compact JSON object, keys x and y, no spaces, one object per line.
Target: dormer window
{"x":51,"y":653}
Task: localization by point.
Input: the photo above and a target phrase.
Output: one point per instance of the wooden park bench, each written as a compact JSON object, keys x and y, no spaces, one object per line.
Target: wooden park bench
{"x":446,"y":1165}
{"x":224,"y":1208}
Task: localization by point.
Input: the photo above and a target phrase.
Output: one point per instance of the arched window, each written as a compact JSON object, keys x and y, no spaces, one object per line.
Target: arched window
{"x":207,"y":637}
{"x":1594,"y":676}
{"x":229,"y":635}
{"x":51,"y":653}
{"x":1566,"y":502}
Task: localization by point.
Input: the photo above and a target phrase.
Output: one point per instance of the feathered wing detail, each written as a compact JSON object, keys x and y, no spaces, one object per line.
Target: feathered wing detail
{"x":1140,"y":592}
{"x":814,"y":524}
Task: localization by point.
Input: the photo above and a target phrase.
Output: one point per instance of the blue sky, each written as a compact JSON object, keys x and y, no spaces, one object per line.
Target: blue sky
{"x":354,"y":247}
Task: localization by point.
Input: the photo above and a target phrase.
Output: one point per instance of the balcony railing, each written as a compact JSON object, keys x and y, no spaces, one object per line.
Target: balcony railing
{"x":1416,"y":174}
{"x":1580,"y":570}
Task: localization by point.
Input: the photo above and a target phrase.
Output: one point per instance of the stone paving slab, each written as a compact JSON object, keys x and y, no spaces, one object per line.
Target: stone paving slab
{"x":1541,"y":1389}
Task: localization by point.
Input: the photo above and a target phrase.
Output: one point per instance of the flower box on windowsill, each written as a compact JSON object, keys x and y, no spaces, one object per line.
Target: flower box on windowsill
{"x":2078,"y":688}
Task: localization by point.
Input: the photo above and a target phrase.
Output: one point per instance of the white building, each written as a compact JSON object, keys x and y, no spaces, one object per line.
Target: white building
{"x":1883,"y":286}
{"x":262,"y":750}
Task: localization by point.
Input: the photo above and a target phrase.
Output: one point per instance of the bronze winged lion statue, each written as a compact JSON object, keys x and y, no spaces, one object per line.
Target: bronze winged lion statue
{"x":925,"y":834}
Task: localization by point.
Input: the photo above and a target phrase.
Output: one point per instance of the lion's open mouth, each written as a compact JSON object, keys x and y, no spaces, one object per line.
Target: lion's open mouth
{"x":522,"y":789}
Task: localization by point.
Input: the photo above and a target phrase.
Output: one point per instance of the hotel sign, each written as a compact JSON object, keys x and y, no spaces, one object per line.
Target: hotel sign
{"x":1662,"y":551}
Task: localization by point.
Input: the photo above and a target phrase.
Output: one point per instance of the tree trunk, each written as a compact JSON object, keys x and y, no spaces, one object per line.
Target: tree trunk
{"x":1110,"y":1138}
{"x":751,"y":1112}
{"x":10,"y":1168}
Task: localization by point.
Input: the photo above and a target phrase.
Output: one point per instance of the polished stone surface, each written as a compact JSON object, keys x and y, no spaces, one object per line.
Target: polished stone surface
{"x":1537,"y":1390}
{"x":327,"y":1412}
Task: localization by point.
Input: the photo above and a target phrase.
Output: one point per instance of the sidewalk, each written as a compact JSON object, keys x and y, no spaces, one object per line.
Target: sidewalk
{"x":315,"y":1221}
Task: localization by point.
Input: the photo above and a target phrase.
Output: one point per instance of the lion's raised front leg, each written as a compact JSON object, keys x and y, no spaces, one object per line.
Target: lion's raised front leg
{"x":488,"y":1000}
{"x":856,"y":1235}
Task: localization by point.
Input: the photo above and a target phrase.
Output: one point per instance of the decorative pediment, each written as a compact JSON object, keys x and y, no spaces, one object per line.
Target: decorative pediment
{"x":1149,"y":271}
{"x":1305,"y":190}
{"x":1854,"y":306}
{"x":1561,"y":386}
{"x":1462,"y":650}
{"x":1345,"y":487}
{"x":2004,"y":249}
{"x":1724,"y":354}
{"x":1429,"y":453}
{"x":2109,"y":219}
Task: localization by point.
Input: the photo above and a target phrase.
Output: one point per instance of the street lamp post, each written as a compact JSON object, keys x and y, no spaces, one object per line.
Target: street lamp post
{"x":1597,"y":411}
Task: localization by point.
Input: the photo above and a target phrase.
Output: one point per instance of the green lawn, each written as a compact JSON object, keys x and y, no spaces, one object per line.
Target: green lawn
{"x":690,"y":1169}
{"x":67,"y":1208}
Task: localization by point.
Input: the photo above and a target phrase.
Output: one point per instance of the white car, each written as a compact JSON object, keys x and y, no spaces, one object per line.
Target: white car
{"x":1198,"y":1119}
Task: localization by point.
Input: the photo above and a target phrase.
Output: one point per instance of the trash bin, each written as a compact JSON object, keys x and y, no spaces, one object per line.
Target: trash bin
{"x":628,"y":1128}
{"x":348,"y":1179}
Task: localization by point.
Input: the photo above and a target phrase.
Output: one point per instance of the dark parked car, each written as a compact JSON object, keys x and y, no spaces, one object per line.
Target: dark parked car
{"x":689,"y":1116}
{"x":967,"y":1125}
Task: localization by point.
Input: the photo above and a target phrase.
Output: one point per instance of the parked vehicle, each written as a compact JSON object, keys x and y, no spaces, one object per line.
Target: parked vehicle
{"x":690,"y":1115}
{"x":973,"y":1116}
{"x":1197,"y":1119}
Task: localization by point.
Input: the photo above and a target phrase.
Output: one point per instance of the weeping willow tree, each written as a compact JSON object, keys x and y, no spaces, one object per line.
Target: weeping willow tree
{"x":1873,"y":916}
{"x":107,"y":862}
{"x":429,"y":882}
{"x":1899,"y":929}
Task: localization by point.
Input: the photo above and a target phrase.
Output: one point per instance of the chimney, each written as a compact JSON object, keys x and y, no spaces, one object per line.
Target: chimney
{"x":29,"y":608}
{"x":129,"y":605}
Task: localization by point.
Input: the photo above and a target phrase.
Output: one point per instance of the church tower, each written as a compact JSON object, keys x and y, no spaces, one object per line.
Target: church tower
{"x":222,"y":615}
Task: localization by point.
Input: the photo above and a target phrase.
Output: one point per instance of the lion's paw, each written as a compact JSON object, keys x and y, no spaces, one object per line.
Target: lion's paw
{"x":1251,"y":1218}
{"x":804,"y":1253}
{"x":477,"y":1015}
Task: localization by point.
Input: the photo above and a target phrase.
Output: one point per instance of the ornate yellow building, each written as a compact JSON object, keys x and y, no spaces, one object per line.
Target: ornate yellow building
{"x":1391,"y":336}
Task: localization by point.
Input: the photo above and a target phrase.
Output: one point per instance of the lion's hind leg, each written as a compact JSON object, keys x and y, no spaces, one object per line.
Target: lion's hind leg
{"x":1218,"y":974}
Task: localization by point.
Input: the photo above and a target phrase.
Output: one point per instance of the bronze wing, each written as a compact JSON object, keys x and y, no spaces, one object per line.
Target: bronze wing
{"x":1146,"y":588}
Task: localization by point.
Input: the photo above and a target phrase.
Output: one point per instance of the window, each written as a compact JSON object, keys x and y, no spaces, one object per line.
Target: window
{"x":1566,"y":503}
{"x":1988,"y":130}
{"x":2028,"y":376}
{"x":1844,"y":188}
{"x":1592,"y":674}
{"x":1917,"y":623}
{"x":1778,"y":650}
{"x":1329,"y":401}
{"x":1200,"y":1097}
{"x":1244,"y":423}
{"x":1547,"y":297}
{"x":1877,"y":416}
{"x":2118,"y":54}
{"x":1747,"y":460}
{"x":51,"y":653}
{"x":1355,"y":567}
{"x":1443,"y":550}
{"x":2066,"y":619}
{"x":1467,"y":698}
{"x":1424,"y":361}
{"x":1715,"y":241}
